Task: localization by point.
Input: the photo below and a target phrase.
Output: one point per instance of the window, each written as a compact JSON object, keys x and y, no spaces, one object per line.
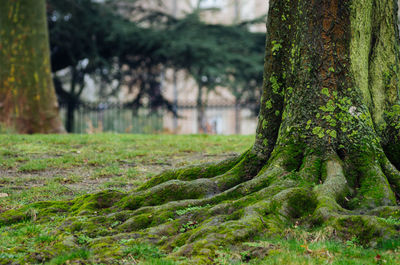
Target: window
{"x":211,"y":3}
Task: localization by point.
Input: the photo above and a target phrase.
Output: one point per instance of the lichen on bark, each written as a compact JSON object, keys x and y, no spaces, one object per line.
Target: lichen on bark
{"x":28,"y":103}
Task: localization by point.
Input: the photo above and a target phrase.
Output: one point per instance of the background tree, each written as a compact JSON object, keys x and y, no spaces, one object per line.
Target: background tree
{"x":85,"y":38}
{"x":91,"y":39}
{"x":217,"y":55}
{"x":27,"y":99}
{"x":325,"y":154}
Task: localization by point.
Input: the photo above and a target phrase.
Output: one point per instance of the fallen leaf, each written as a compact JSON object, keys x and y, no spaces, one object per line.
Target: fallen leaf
{"x":2,"y":195}
{"x":309,"y":251}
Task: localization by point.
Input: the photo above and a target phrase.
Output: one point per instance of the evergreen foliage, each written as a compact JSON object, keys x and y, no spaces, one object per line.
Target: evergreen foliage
{"x":92,"y":39}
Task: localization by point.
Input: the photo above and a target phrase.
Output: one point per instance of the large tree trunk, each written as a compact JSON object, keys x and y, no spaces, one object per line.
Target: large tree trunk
{"x":326,"y":150}
{"x":27,"y":99}
{"x":331,"y":89}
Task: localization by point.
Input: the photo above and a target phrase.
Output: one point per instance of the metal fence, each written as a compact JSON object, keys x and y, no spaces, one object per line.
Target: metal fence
{"x":120,"y":118}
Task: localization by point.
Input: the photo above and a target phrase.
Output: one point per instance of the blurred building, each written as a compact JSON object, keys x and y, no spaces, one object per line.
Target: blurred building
{"x":222,"y":117}
{"x":222,"y":11}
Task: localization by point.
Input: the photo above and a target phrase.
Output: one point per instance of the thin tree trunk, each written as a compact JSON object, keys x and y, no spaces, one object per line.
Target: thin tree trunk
{"x":27,"y":97}
{"x":201,"y":121}
{"x":237,"y":117}
{"x":70,"y":121}
{"x":72,"y":101}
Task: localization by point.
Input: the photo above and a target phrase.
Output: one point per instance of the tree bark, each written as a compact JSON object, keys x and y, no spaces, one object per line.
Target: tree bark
{"x":27,"y":99}
{"x":331,"y":83}
{"x":326,"y":152}
{"x":70,"y":121}
{"x":200,"y":109}
{"x":331,"y":90}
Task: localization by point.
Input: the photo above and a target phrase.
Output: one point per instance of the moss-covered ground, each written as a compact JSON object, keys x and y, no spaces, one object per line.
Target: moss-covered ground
{"x":41,"y":168}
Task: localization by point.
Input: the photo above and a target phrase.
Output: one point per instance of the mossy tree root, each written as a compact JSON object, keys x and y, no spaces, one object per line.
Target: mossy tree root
{"x":393,"y":176}
{"x":188,"y":173}
{"x":191,"y":183}
{"x":194,"y":217}
{"x":332,"y":191}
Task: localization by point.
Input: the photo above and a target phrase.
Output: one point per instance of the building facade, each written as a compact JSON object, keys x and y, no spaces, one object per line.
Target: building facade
{"x":221,"y":11}
{"x":222,"y":116}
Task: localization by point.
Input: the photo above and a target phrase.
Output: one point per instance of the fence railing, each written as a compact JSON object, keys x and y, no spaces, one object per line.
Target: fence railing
{"x":117,"y":117}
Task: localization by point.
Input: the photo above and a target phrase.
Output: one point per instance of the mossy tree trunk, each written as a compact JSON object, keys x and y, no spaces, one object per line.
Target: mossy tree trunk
{"x":326,"y":152}
{"x":331,"y":88}
{"x":27,"y":99}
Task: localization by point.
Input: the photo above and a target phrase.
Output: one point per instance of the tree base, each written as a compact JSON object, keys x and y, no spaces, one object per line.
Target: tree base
{"x":195,"y":210}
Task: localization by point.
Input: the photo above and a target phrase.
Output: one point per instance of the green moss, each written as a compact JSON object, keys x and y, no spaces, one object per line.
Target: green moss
{"x":330,"y":107}
{"x":372,"y":187}
{"x":33,"y":211}
{"x":367,"y":228}
{"x":140,"y":251}
{"x":264,"y":124}
{"x":268,"y":104}
{"x":80,"y":255}
{"x":97,"y":201}
{"x":276,"y":86}
{"x":193,"y":172}
{"x":276,"y":47}
{"x":107,"y":252}
{"x":375,"y":191}
{"x":325,"y":91}
{"x":376,"y":76}
{"x":301,"y":203}
{"x":190,"y":209}
{"x":292,"y":155}
{"x":320,"y":132}
{"x":361,"y":27}
{"x":392,"y":147}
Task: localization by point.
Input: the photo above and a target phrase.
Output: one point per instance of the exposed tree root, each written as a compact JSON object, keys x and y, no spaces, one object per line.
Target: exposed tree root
{"x":393,"y":176}
{"x":334,"y":189}
{"x":187,"y":212}
{"x":194,"y":172}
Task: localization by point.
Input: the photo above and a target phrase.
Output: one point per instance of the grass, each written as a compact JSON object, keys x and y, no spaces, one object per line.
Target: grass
{"x":77,"y":254}
{"x":283,"y":251}
{"x":58,"y":167}
{"x":143,"y":251}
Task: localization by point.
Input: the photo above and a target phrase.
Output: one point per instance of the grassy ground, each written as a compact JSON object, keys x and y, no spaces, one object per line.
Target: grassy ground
{"x":59,"y":167}
{"x":36,"y":168}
